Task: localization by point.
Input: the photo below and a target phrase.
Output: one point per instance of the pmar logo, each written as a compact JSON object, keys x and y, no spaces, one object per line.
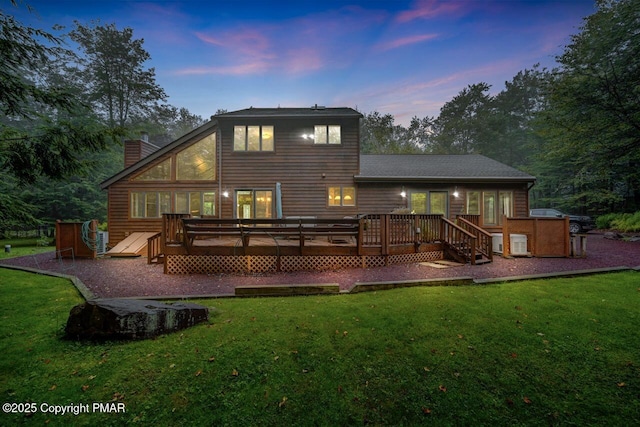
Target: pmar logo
{"x":109,"y":407}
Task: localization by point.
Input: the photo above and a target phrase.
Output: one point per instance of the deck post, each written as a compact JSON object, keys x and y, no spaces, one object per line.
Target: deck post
{"x":385,"y":227}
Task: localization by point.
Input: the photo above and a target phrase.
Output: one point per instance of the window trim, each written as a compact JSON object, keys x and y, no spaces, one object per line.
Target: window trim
{"x":428,"y":201}
{"x":326,"y":135}
{"x":341,"y":196}
{"x":201,"y":194}
{"x":158,"y":194}
{"x":261,"y":142}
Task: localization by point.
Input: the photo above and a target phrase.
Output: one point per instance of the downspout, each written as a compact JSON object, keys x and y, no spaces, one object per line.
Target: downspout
{"x":219,"y":160}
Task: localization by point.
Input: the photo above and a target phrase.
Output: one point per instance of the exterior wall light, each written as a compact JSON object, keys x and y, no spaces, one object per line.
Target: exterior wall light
{"x":403,"y":193}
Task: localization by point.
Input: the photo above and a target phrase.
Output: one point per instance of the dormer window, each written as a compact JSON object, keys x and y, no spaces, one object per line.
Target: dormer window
{"x":326,"y":134}
{"x":253,"y":138}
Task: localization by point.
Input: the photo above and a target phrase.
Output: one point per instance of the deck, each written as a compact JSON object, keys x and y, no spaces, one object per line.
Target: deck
{"x":208,"y":245}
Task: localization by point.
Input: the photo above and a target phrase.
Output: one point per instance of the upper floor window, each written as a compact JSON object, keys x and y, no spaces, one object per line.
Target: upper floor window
{"x":253,"y":138}
{"x":198,"y":161}
{"x":159,"y":172}
{"x":326,"y":134}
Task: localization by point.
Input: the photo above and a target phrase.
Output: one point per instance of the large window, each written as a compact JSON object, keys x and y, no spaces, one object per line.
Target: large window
{"x":341,"y":196}
{"x":150,"y":204}
{"x":198,"y":161}
{"x":197,"y":203}
{"x":326,"y":134}
{"x":429,"y":202}
{"x":495,"y":205}
{"x":159,"y":172}
{"x":254,"y":204}
{"x":473,"y":202}
{"x":253,"y":138}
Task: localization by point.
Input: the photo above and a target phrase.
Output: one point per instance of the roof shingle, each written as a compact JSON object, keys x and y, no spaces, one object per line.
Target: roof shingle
{"x":436,"y":167}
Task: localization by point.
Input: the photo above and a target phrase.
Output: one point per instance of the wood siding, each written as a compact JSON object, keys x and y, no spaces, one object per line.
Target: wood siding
{"x":385,"y":197}
{"x":304,"y":169}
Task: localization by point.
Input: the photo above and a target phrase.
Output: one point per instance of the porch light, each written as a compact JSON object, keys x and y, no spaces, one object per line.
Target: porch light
{"x":403,"y":193}
{"x":225,"y":193}
{"x":455,"y":193}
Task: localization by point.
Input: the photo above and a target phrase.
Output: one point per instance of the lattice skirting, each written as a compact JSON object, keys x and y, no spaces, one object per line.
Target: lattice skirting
{"x":211,"y":264}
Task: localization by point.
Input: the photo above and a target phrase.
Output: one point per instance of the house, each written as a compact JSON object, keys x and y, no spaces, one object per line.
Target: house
{"x":284,"y":162}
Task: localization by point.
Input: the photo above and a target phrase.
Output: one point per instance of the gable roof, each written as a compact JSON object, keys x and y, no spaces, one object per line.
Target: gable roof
{"x":436,"y":167}
{"x":195,"y":134}
{"x":315,"y":111}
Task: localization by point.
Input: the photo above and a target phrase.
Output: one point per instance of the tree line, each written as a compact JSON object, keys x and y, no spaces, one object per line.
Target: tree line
{"x":576,"y":127}
{"x":64,"y":112}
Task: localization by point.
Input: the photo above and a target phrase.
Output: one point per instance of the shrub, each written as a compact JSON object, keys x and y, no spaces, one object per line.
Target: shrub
{"x":624,"y":222}
{"x":604,"y":221}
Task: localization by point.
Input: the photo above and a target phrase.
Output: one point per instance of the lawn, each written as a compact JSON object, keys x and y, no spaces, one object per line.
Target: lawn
{"x":561,"y":351}
{"x":25,"y":246}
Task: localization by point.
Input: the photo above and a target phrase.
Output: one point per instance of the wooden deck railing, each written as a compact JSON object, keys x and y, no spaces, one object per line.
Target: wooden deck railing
{"x":473,"y":219}
{"x":484,"y":241}
{"x":375,"y":234}
{"x":172,"y":228}
{"x":154,"y":249}
{"x":461,"y":243}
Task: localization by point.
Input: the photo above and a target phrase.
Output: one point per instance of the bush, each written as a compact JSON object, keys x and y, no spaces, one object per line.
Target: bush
{"x":625,"y":222}
{"x":604,"y":221}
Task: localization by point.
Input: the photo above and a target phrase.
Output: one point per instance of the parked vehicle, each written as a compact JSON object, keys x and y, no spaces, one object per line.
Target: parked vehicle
{"x":577,"y":223}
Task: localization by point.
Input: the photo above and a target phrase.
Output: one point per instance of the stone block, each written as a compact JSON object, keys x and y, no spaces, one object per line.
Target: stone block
{"x":131,"y":319}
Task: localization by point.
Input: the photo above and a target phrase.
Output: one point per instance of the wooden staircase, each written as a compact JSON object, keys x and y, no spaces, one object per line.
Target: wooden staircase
{"x":466,"y":242}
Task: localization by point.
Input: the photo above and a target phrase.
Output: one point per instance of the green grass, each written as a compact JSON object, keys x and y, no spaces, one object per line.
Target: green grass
{"x":26,"y":246}
{"x":559,"y":352}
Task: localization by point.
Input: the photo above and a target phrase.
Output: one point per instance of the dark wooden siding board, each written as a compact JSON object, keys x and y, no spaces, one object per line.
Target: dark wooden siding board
{"x":298,"y":164}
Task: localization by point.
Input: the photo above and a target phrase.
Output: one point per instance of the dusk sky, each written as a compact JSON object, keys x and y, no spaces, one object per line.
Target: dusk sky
{"x":404,"y":57}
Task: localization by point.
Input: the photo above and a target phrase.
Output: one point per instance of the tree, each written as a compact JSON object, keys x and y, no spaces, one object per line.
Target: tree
{"x":593,"y":119}
{"x":165,"y":123}
{"x":40,"y":133}
{"x":516,"y":108}
{"x":463,"y":125}
{"x":380,"y":135}
{"x":112,"y":68}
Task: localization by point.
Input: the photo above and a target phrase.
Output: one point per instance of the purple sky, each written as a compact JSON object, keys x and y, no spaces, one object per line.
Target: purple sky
{"x":406,"y":58}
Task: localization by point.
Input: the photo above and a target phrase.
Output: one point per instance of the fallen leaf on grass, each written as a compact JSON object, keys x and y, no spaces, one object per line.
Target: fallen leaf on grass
{"x":212,"y":358}
{"x":621,"y":384}
{"x":442,"y":388}
{"x":117,"y":396}
{"x":514,"y":355}
{"x":53,"y":387}
{"x":426,"y":411}
{"x":234,"y":373}
{"x":85,"y":387}
{"x":198,"y":372}
{"x":282,"y":402}
{"x":527,"y":400}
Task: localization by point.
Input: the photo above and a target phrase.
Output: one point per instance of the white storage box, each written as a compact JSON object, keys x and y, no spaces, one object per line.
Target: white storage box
{"x":497,"y":242}
{"x":518,"y":244}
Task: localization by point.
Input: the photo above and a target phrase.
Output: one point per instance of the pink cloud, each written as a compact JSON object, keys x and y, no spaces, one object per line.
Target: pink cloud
{"x":427,"y":9}
{"x":238,"y":70}
{"x":394,"y":44}
{"x":301,"y":45}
